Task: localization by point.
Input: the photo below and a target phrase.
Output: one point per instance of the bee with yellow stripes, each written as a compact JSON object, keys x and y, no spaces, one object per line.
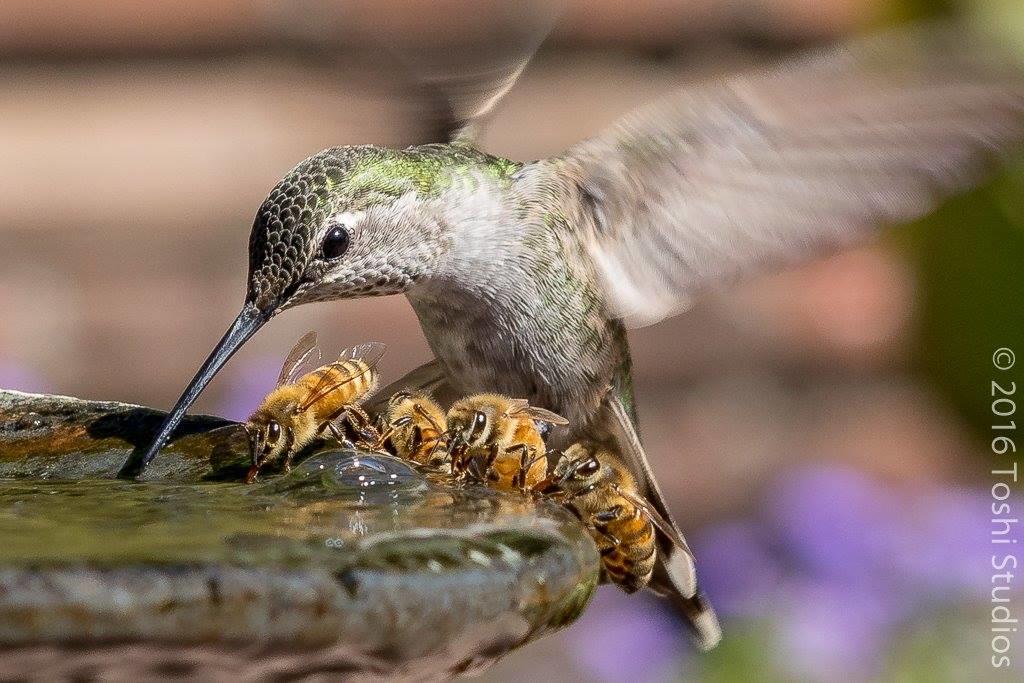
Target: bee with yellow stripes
{"x":498,"y":440}
{"x":413,"y":426}
{"x":309,"y":404}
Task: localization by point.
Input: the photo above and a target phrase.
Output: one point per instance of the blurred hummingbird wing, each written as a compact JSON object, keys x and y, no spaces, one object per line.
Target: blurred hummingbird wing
{"x":675,"y":576}
{"x":458,"y":57}
{"x":468,"y":74}
{"x":769,"y":167}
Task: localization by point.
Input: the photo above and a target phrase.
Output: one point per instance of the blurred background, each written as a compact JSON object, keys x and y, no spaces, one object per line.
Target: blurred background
{"x":821,"y":433}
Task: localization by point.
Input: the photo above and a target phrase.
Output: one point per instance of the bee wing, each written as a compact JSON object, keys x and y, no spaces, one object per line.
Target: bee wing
{"x":369,"y":353}
{"x":662,"y":524}
{"x":521,"y":406}
{"x":676,"y":577}
{"x":545,"y":415}
{"x":305,"y":354}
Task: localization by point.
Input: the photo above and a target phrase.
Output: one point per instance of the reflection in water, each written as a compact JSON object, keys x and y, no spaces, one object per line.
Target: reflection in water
{"x":373,"y":487}
{"x":334,"y":494}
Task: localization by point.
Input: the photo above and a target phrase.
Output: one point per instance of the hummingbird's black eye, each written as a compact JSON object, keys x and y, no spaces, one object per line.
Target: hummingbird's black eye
{"x":273,"y":432}
{"x":335,"y":243}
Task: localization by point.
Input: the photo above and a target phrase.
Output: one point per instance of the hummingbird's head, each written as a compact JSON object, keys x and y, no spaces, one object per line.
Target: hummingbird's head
{"x":347,"y":222}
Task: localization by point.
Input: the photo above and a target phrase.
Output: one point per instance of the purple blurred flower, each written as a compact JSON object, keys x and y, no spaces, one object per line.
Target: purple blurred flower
{"x":951,"y":550}
{"x":737,"y":570}
{"x":627,"y":637}
{"x":836,"y":525}
{"x":833,"y":634}
{"x":248,"y":384}
{"x":839,"y":561}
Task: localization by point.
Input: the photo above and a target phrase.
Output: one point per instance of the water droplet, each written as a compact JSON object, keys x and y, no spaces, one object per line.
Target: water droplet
{"x":352,"y":475}
{"x":343,"y":469}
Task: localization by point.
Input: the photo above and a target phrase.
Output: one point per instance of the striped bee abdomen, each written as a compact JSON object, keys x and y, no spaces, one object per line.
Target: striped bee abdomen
{"x":334,"y":386}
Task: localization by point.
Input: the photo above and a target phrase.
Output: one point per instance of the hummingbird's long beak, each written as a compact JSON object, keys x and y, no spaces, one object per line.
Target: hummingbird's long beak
{"x":245,"y":326}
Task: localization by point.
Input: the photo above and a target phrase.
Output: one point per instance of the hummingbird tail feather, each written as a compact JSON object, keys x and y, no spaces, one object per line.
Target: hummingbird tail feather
{"x":675,"y":575}
{"x":701,"y":619}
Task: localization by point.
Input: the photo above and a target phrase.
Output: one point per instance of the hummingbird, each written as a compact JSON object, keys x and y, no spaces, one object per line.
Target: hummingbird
{"x":526,"y":276}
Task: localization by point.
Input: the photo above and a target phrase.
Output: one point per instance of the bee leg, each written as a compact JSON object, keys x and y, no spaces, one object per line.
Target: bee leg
{"x":362,"y":424}
{"x":461,"y":461}
{"x":359,"y":421}
{"x":427,"y":416}
{"x":489,"y":471}
{"x":362,"y":418}
{"x":525,"y":463}
{"x":415,"y":439}
{"x":386,"y":432}
{"x":479,"y":468}
{"x":339,"y":436}
{"x":433,"y":450}
{"x":370,"y":438}
{"x":492,"y":455}
{"x":525,"y":469}
{"x":475,"y":469}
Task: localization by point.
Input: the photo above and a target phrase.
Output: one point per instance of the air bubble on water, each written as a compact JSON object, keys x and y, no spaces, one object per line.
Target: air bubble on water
{"x":348,"y":473}
{"x":344,"y":470}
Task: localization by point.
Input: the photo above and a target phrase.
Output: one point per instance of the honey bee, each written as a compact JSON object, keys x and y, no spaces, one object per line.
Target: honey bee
{"x":497,"y":440}
{"x":594,"y":483}
{"x":414,"y":426}
{"x":307,"y":404}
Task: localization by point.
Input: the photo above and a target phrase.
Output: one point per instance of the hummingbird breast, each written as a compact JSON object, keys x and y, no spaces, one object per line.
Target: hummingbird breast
{"x":525,"y":318}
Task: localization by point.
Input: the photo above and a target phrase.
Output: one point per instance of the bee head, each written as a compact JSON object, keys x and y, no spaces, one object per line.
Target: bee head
{"x":471,"y":423}
{"x":268,"y":439}
{"x":474,"y":430}
{"x":577,"y":471}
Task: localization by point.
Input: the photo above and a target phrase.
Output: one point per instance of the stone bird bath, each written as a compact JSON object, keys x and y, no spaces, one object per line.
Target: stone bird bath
{"x":354,"y":565}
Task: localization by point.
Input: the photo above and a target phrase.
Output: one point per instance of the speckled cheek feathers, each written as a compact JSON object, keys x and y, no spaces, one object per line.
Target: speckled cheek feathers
{"x":280,"y":244}
{"x":395,"y":236}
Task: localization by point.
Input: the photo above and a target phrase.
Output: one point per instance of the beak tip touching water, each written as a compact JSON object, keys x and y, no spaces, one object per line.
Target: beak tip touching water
{"x":249,"y":320}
